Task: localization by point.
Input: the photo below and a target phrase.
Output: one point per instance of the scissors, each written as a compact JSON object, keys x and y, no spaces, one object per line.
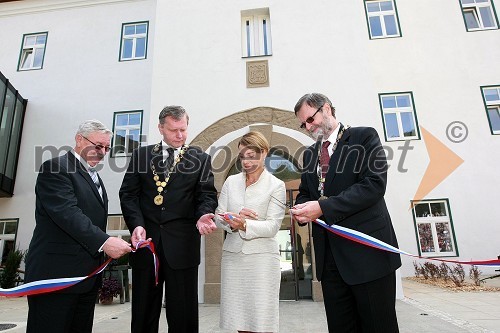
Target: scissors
{"x":281,"y":202}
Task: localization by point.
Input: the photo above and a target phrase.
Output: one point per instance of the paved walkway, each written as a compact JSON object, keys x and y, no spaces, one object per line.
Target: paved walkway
{"x":425,"y":309}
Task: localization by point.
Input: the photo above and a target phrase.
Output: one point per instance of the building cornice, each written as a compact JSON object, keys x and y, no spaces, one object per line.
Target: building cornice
{"x":15,"y":8}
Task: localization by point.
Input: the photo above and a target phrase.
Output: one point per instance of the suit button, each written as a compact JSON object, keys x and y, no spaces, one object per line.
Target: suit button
{"x":162,"y":208}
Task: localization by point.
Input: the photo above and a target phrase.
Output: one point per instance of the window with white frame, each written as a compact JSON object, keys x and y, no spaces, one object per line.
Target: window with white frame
{"x":491,"y":96}
{"x":479,"y":15}
{"x":8,"y":231}
{"x":33,"y":51}
{"x":127,"y":132}
{"x":399,"y":117}
{"x":382,"y":19}
{"x":435,"y":235}
{"x":134,"y":42}
{"x":256,"y":32}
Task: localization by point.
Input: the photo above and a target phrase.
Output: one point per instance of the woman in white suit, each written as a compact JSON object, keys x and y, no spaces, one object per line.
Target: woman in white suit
{"x":251,"y":213}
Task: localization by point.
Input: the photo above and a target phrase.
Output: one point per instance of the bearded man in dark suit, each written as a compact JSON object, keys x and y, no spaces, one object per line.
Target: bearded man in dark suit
{"x":168,"y":196}
{"x":70,"y":237}
{"x":343,"y":183}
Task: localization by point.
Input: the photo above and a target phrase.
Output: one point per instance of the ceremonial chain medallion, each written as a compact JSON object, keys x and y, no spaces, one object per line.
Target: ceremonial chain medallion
{"x":158,"y":200}
{"x":321,"y":186}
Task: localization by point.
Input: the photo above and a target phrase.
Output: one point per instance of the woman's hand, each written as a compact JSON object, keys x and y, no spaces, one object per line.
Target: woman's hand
{"x":236,"y":221}
{"x":248,"y":213}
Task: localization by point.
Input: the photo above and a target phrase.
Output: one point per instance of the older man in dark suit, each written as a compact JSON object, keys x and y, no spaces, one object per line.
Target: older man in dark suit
{"x":344,"y":183}
{"x":168,"y":195}
{"x":69,"y":238}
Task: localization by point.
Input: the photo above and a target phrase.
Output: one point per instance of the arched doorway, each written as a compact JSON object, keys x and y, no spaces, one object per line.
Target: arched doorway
{"x":220,"y":140}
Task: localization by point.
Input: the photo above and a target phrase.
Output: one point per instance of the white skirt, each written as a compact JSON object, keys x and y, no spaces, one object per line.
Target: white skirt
{"x":250,"y":287}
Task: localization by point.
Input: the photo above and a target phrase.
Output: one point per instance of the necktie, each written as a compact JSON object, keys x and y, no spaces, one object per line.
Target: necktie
{"x":325,"y":158}
{"x":95,"y":179}
{"x":170,"y":158}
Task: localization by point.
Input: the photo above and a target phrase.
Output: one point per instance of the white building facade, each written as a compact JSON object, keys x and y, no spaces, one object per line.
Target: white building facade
{"x":425,"y":74}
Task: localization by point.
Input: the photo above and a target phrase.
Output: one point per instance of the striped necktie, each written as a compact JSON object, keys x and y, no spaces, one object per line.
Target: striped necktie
{"x":95,"y":179}
{"x":170,"y":158}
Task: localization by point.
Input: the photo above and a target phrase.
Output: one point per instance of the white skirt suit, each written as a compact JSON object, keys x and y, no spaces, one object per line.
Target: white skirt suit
{"x":250,"y":273}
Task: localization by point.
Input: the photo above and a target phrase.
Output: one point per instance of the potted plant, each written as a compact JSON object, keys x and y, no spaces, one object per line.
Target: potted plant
{"x":110,"y":288}
{"x":10,"y":272}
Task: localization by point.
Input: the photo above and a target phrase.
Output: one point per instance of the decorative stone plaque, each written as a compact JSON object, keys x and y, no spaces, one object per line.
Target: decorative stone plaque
{"x":257,"y":74}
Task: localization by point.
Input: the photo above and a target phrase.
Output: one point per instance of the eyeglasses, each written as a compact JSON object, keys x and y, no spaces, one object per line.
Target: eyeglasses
{"x":98,"y":146}
{"x":310,"y":119}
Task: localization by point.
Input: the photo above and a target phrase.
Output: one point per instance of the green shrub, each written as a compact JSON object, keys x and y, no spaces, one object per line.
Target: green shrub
{"x":9,"y":273}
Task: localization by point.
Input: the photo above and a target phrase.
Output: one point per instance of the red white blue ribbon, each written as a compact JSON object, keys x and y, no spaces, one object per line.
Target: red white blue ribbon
{"x":151,"y":246}
{"x":51,"y":285}
{"x":370,"y":241}
{"x":367,"y":240}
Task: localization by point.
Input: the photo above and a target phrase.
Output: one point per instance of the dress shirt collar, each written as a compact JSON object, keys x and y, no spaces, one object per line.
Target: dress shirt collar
{"x":82,"y":160}
{"x":165,"y":146}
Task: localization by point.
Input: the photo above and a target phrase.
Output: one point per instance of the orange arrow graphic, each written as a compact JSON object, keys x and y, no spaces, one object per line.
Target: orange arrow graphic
{"x":442,"y":163}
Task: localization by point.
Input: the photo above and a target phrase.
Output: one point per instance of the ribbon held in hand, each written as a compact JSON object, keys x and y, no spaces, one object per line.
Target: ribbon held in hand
{"x":51,"y":285}
{"x":226,"y":216}
{"x":370,"y":241}
{"x":367,"y":240}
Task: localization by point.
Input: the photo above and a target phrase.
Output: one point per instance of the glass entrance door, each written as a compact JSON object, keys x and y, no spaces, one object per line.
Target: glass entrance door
{"x":295,"y":261}
{"x":304,"y":261}
{"x":288,"y":287}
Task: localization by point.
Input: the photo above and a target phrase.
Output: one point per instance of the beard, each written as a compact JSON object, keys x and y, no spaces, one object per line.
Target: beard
{"x":321,"y":131}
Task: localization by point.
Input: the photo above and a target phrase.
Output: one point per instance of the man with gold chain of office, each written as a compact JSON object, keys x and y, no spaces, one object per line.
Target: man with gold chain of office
{"x":171,"y":202}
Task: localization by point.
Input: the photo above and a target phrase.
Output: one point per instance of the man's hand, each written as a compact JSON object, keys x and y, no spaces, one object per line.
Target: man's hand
{"x":306,"y":212}
{"x":116,"y":247}
{"x":139,"y":234}
{"x":205,"y":224}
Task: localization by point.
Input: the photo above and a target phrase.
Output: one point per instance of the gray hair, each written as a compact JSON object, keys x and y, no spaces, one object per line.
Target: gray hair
{"x":315,"y":100}
{"x":174,"y":111}
{"x":91,"y":126}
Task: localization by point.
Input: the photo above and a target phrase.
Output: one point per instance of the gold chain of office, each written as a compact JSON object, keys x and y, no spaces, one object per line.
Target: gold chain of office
{"x":321,"y":179}
{"x":158,"y":200}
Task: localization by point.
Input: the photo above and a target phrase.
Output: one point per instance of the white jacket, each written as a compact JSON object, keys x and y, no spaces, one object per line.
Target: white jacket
{"x":260,"y":235}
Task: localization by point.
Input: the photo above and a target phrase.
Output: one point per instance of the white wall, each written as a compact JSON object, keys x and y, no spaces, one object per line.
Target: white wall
{"x":81,"y":79}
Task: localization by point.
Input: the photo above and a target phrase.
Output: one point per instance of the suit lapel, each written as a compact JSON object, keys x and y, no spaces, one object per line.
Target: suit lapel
{"x":104,"y":193}
{"x":337,"y":159}
{"x":156,"y":158}
{"x":313,"y":168}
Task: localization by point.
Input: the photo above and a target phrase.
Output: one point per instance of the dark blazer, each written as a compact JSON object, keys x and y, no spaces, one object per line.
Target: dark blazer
{"x":189,"y":194}
{"x":70,"y":226}
{"x":355,"y":185}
